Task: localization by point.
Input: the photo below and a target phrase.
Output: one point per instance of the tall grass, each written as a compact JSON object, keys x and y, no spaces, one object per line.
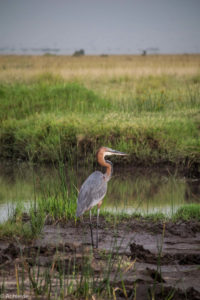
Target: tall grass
{"x":94,"y":69}
{"x":52,"y":201}
{"x":49,"y":120}
{"x":153,"y":116}
{"x":59,"y":203}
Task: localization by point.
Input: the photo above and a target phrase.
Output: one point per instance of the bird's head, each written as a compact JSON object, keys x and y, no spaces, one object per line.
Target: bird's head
{"x":105,"y":151}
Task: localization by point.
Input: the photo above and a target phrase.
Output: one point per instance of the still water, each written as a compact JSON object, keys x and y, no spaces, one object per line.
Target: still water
{"x":133,"y":190}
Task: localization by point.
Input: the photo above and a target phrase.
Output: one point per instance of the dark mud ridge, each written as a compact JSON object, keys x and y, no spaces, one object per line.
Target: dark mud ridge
{"x":143,"y":260}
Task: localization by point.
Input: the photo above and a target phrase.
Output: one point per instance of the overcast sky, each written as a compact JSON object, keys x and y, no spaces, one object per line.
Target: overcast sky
{"x":100,"y":26}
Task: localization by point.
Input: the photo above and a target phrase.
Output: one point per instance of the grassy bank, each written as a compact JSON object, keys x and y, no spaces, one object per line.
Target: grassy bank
{"x":48,"y":116}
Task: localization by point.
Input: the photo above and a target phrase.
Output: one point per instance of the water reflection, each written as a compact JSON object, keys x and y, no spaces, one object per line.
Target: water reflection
{"x":130,"y":191}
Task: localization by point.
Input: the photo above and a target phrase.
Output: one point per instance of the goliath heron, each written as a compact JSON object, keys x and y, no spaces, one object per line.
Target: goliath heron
{"x":94,"y":188}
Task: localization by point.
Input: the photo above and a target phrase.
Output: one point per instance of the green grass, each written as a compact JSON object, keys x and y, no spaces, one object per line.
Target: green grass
{"x":56,"y":201}
{"x":188,"y":212}
{"x":63,"y":210}
{"x":16,"y":228}
{"x":48,"y":120}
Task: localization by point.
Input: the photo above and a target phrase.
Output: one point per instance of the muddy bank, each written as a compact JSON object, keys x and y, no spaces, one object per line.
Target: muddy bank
{"x":143,"y":259}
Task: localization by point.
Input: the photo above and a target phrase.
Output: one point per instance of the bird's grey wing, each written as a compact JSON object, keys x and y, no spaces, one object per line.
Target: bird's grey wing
{"x":91,"y":192}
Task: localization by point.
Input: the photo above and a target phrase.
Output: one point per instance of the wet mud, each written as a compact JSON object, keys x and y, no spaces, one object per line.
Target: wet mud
{"x":146,"y":260}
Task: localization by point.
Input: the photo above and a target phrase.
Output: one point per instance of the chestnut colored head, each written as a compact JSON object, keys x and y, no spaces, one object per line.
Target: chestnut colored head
{"x":105,"y":151}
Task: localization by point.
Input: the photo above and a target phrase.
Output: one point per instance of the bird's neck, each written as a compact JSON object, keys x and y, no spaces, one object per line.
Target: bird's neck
{"x":109,"y":169}
{"x":105,"y":163}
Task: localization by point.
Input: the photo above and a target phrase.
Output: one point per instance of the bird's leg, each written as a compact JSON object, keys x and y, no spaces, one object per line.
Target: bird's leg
{"x":91,"y":229}
{"x":97,"y":241}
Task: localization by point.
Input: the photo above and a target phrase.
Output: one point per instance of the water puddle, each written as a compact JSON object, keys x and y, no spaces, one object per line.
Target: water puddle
{"x":130,"y":190}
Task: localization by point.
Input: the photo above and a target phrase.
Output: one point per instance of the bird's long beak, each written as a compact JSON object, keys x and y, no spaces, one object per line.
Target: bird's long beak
{"x":115,"y":152}
{"x":119,"y":152}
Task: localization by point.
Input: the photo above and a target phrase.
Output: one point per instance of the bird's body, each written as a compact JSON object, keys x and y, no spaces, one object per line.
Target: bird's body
{"x":94,"y":188}
{"x":92,"y":192}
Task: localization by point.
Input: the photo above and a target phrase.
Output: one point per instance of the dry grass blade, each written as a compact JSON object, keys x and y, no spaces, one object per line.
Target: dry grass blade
{"x":17,"y":278}
{"x":130,"y":266}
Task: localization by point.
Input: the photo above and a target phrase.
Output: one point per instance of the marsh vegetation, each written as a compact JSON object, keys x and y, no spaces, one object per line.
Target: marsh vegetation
{"x":56,"y":111}
{"x":64,"y":108}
